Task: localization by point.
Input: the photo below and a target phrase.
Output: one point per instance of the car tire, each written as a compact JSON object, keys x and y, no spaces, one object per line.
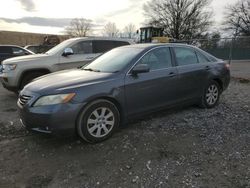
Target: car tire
{"x":98,"y":121}
{"x":28,"y":78}
{"x":211,"y":95}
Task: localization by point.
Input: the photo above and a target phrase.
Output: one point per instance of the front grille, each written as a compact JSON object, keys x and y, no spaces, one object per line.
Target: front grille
{"x":24,"y":99}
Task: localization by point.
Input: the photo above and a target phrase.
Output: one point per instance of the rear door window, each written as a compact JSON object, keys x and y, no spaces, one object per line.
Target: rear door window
{"x":120,"y":43}
{"x":185,"y":56}
{"x":202,"y":58}
{"x":101,"y":46}
{"x":83,"y":47}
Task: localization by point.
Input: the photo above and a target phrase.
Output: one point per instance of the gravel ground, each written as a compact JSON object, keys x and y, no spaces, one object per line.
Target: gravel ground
{"x":184,"y":147}
{"x":240,"y":68}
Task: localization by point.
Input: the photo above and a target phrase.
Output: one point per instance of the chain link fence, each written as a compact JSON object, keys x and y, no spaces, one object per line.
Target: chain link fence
{"x":224,"y":48}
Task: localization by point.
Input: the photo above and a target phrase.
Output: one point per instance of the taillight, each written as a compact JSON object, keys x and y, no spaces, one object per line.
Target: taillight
{"x":227,"y":65}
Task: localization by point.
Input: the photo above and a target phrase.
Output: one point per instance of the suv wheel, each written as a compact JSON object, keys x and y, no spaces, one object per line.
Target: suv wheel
{"x":28,"y":78}
{"x":98,"y":121}
{"x":211,"y":95}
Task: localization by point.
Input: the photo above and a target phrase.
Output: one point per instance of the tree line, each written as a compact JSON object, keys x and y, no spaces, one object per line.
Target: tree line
{"x":81,"y":27}
{"x":181,"y":20}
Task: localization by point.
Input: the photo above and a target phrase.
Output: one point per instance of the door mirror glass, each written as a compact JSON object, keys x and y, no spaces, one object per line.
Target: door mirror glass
{"x":67,"y":51}
{"x":140,"y":68}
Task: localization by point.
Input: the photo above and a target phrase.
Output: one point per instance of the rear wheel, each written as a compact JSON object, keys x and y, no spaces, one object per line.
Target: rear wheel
{"x":98,"y":121}
{"x":211,"y":95}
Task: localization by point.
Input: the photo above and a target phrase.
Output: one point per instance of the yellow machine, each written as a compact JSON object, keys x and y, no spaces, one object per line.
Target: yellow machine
{"x":160,"y":40}
{"x":153,"y":35}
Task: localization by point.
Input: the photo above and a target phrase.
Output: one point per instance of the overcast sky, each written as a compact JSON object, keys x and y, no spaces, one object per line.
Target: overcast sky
{"x":51,"y":16}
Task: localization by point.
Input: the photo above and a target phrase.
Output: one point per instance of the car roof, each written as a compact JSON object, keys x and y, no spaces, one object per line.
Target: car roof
{"x":152,"y":45}
{"x":31,"y":46}
{"x":7,"y":45}
{"x":101,"y":38}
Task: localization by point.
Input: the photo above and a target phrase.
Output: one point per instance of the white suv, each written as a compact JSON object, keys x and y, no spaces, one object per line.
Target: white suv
{"x":72,"y":53}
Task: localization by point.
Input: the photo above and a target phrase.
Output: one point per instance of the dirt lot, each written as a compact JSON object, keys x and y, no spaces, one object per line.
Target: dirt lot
{"x":186,"y":147}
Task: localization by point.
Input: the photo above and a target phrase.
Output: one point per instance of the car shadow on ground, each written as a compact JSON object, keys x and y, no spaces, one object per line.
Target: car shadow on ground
{"x":163,"y":113}
{"x":142,"y":122}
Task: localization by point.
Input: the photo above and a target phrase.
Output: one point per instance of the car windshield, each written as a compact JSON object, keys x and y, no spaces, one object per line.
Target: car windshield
{"x":59,"y":47}
{"x":113,"y":61}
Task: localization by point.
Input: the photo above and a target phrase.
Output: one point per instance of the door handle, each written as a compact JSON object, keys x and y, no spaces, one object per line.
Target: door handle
{"x":207,"y":68}
{"x":171,"y":74}
{"x":89,"y":58}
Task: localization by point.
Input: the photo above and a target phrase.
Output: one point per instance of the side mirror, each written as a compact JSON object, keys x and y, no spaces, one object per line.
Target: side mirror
{"x":141,"y":68}
{"x":67,"y":51}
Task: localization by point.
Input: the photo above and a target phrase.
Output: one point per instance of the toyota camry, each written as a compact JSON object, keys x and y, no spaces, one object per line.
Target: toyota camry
{"x":123,"y":83}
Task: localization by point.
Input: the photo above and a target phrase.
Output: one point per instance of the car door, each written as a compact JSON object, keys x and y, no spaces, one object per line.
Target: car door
{"x":154,"y":89}
{"x":83,"y":54}
{"x":192,"y":74}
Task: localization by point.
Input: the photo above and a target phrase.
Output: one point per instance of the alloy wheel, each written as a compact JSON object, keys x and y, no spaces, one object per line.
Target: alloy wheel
{"x":100,"y":122}
{"x":212,"y":94}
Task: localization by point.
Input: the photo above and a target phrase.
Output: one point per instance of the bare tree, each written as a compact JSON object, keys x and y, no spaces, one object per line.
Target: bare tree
{"x":237,"y":18}
{"x":181,"y":19}
{"x":110,"y":30}
{"x":130,"y":30}
{"x":79,"y":27}
{"x":211,"y":40}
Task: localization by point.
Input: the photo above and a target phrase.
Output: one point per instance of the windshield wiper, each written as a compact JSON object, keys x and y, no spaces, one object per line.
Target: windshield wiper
{"x":92,"y":70}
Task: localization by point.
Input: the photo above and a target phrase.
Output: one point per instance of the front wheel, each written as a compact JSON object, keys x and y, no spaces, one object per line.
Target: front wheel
{"x":211,"y":95}
{"x":98,"y":121}
{"x":29,"y":77}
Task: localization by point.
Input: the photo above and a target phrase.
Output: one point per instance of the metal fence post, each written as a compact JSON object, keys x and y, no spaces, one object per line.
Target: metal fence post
{"x":231,"y":51}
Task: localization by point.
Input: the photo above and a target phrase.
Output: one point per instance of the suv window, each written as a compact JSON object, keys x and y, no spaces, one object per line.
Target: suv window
{"x":120,"y":43}
{"x":18,"y":51}
{"x":159,"y":58}
{"x":5,"y":50}
{"x":202,"y":58}
{"x":185,"y":56}
{"x":101,"y":46}
{"x":34,"y":49}
{"x":83,"y":47}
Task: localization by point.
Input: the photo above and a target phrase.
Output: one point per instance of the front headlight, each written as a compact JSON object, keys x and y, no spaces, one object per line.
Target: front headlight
{"x":9,"y":67}
{"x":54,"y":99}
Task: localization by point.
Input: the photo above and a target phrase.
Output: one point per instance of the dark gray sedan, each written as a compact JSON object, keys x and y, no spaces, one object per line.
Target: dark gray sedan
{"x":121,"y":84}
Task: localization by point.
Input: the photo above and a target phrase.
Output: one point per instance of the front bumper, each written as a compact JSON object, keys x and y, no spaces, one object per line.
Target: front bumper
{"x":60,"y":118}
{"x":6,"y":86}
{"x":8,"y":81}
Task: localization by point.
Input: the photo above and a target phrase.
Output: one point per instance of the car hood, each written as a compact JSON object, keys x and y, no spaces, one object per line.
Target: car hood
{"x":68,"y":79}
{"x":24,"y":58}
